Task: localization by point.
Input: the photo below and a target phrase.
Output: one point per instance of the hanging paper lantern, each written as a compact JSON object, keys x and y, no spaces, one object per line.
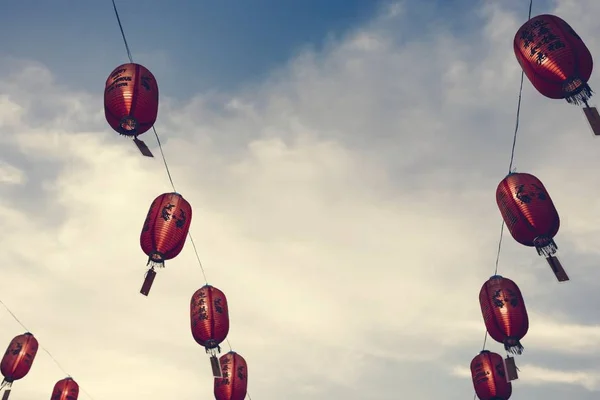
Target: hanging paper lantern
{"x":504,"y":312}
{"x":530,"y":216}
{"x":164,"y":233}
{"x":554,"y":58}
{"x":557,"y":62}
{"x":131,"y":101}
{"x":65,"y":389}
{"x":489,"y":377}
{"x":234,"y":382}
{"x":17,"y":360}
{"x":209,"y":317}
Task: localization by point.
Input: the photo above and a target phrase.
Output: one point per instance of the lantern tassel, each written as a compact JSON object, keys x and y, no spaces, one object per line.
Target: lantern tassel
{"x":214,"y":362}
{"x":511,"y":369}
{"x":142,"y":147}
{"x":593,"y":117}
{"x":216,"y":366}
{"x":7,"y":387}
{"x":148,"y":280}
{"x":557,"y":268}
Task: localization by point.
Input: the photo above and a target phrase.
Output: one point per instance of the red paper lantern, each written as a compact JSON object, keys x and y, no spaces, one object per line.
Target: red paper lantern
{"x":131,"y":101}
{"x":234,"y":383}
{"x":65,"y":389}
{"x":489,"y":377}
{"x":557,"y":62}
{"x":554,"y":58}
{"x":17,"y":360}
{"x":209,"y":318}
{"x":530,"y":216}
{"x":504,"y":312}
{"x":164,"y":233}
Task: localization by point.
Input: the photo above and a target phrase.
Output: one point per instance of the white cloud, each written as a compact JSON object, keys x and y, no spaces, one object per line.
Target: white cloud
{"x":345,"y":206}
{"x":11,"y":175}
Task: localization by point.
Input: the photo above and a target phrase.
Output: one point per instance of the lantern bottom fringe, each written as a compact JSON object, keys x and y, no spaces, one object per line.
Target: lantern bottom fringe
{"x":514,"y":347}
{"x":581,"y":96}
{"x":545,"y":246}
{"x":212,"y":348}
{"x":155,"y":264}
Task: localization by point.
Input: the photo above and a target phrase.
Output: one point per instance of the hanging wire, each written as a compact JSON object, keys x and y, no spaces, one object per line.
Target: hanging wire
{"x":44,"y":348}
{"x":167,"y":167}
{"x":122,"y":32}
{"x":510,"y":166}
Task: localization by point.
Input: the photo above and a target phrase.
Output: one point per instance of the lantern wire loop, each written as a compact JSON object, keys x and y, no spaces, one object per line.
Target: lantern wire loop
{"x":43,"y":348}
{"x":510,"y":169}
{"x":167,"y":166}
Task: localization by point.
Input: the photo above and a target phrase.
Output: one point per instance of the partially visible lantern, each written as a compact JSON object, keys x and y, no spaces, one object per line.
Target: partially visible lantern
{"x":234,"y":382}
{"x":164,"y":233}
{"x":131,"y":102}
{"x":209,"y":318}
{"x":504,"y":312}
{"x":556,"y":61}
{"x":65,"y":389}
{"x":530,"y":216}
{"x":489,"y":377}
{"x":17,"y":360}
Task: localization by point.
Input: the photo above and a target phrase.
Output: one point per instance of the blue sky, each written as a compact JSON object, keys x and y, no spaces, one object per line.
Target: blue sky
{"x":212,"y":44}
{"x":341,"y":160}
{"x":199,"y":45}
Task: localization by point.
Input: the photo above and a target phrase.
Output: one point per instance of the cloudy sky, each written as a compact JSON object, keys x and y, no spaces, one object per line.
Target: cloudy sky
{"x":342,"y":159}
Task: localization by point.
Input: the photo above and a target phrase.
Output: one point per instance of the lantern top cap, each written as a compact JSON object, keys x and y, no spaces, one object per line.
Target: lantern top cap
{"x":484,"y":352}
{"x":496,"y":277}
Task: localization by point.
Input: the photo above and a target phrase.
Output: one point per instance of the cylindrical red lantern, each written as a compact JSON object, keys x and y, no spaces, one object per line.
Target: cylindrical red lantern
{"x":530,"y":215}
{"x":65,"y":389}
{"x":131,"y":99}
{"x":489,"y":377}
{"x":164,"y":233}
{"x":18,"y":359}
{"x":209,"y":318}
{"x":504,"y":312}
{"x":234,"y":383}
{"x":554,"y":58}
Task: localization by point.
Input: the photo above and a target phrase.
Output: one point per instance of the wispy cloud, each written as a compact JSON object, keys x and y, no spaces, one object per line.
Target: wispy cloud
{"x":345,"y":205}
